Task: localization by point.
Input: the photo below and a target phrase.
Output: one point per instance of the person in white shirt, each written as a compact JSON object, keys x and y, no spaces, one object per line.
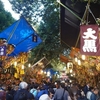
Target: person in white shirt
{"x":44,"y":97}
{"x":88,"y":95}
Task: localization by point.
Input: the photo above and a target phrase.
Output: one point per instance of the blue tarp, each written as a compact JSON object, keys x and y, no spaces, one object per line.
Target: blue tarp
{"x":20,"y":34}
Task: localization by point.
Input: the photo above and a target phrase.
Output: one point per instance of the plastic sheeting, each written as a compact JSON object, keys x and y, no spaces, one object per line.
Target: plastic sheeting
{"x":20,"y":34}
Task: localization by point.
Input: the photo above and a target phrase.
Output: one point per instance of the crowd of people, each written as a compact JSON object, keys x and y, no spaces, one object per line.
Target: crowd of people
{"x":58,"y":90}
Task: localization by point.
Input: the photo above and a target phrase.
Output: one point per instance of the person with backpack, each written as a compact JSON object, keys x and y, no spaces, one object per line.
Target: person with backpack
{"x":9,"y":94}
{"x":34,"y":89}
{"x":23,"y":93}
{"x":42,"y":90}
{"x":61,"y":93}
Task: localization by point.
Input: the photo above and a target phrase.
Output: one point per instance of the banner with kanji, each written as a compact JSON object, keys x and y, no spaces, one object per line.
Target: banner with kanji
{"x":2,"y":50}
{"x":89,"y":39}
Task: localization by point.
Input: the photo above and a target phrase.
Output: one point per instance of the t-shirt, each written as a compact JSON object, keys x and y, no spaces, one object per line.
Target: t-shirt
{"x":88,"y":95}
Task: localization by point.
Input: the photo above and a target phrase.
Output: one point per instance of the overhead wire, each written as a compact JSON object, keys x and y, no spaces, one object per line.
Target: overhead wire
{"x":83,"y":21}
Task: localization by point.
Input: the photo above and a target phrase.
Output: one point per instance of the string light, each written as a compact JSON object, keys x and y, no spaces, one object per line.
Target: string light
{"x":15,"y":63}
{"x":29,"y":65}
{"x":83,"y":57}
{"x":22,"y":66}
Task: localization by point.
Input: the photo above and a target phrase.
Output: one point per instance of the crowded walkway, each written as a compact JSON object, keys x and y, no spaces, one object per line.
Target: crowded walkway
{"x":48,"y":90}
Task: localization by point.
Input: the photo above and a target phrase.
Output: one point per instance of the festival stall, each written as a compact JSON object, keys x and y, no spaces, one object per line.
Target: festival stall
{"x":15,"y":44}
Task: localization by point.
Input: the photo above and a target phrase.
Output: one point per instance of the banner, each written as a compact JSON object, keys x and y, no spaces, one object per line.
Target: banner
{"x":89,"y":40}
{"x":3,"y":50}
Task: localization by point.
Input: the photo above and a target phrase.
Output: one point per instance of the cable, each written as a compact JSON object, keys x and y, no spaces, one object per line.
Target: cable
{"x":11,"y":34}
{"x":93,"y":15}
{"x":70,"y":10}
{"x":84,"y":17}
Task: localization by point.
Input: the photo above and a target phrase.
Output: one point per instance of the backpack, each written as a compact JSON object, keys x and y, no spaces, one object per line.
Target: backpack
{"x":10,"y":96}
{"x":62,"y":98}
{"x":22,"y":96}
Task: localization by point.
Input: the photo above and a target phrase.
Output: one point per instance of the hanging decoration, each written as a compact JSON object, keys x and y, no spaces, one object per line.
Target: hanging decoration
{"x":90,"y":40}
{"x":15,"y":43}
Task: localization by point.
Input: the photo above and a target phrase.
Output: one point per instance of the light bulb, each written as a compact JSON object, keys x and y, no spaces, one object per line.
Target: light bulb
{"x":83,"y":57}
{"x":22,"y":66}
{"x":79,"y":62}
{"x":15,"y":63}
{"x":29,"y":65}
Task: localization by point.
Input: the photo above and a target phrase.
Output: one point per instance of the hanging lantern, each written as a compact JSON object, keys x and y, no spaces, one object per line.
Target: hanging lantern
{"x":83,"y":57}
{"x":70,"y":65}
{"x":22,"y":67}
{"x":10,"y":48}
{"x":79,"y":62}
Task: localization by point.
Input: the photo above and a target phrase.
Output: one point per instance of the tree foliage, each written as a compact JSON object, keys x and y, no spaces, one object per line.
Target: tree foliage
{"x":47,"y":27}
{"x":6,"y":18}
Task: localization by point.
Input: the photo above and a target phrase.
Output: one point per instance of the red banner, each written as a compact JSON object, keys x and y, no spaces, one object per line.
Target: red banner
{"x":90,"y":40}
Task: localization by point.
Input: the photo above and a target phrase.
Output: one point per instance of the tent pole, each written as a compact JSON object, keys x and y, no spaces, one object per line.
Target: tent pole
{"x":11,"y":34}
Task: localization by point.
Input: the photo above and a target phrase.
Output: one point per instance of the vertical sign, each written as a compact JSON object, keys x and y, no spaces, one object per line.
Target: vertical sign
{"x":89,"y":40}
{"x":3,"y":50}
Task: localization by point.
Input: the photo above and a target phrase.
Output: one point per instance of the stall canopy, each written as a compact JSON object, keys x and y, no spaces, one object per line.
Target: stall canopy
{"x":22,"y":36}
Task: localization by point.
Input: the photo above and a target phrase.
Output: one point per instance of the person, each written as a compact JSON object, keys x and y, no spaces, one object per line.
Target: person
{"x":23,"y":93}
{"x":86,"y":88}
{"x":9,"y":94}
{"x":2,"y":92}
{"x":60,"y":93}
{"x":51,"y":93}
{"x":42,"y":90}
{"x":94,"y":94}
{"x":34,"y":90}
{"x":48,"y":96}
{"x":88,"y":95}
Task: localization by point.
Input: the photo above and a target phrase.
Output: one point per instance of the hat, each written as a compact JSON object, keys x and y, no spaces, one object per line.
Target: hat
{"x":23,"y":85}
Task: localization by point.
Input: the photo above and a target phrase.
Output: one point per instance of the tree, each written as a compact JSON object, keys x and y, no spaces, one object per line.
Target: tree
{"x":6,"y":18}
{"x":47,"y":27}
{"x":49,"y":31}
